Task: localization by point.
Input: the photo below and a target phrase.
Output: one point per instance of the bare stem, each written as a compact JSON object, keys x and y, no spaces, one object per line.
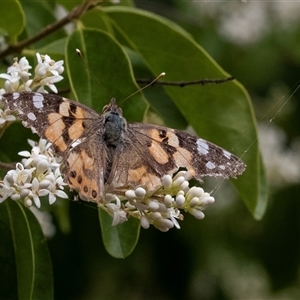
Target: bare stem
{"x":7,"y":166}
{"x":73,"y":15}
{"x":185,"y":83}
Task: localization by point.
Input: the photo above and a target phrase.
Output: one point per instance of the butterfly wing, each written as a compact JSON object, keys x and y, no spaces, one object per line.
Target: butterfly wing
{"x":134,"y":165}
{"x":70,"y":127}
{"x":57,"y":119}
{"x":155,"y":151}
{"x":84,"y":168}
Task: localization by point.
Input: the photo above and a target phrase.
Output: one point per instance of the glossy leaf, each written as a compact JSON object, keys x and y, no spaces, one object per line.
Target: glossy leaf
{"x":105,"y":73}
{"x":120,"y":240}
{"x":55,"y":49}
{"x":40,"y":14}
{"x":12,"y":18}
{"x":33,"y":264}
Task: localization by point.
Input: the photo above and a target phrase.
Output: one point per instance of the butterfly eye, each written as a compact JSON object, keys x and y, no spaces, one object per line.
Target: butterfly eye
{"x":105,"y":108}
{"x":107,"y":119}
{"x":120,"y":111}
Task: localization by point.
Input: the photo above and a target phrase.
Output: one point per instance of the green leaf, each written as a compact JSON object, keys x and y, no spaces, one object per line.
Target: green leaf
{"x":8,"y":286}
{"x":220,"y":113}
{"x":69,"y":4}
{"x":120,"y":240}
{"x":264,"y":191}
{"x":55,"y":49}
{"x":40,"y":14}
{"x":34,"y":269}
{"x":97,"y":19}
{"x":105,"y":73}
{"x":12,"y":18}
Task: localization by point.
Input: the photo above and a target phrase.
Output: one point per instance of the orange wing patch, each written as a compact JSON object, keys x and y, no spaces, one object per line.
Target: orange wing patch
{"x":182,"y":157}
{"x":141,"y":177}
{"x":158,"y":153}
{"x":81,"y":176}
{"x":54,"y":131}
{"x":76,"y":130}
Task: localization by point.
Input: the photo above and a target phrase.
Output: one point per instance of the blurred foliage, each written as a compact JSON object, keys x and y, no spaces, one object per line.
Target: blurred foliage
{"x":257,"y":42}
{"x":228,"y":255}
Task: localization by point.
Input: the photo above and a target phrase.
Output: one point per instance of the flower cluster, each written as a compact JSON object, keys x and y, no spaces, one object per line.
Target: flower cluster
{"x":162,"y":208}
{"x":36,"y":175}
{"x":46,"y":73}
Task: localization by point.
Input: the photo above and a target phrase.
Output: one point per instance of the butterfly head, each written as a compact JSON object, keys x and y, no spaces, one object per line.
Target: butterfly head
{"x":113,"y":108}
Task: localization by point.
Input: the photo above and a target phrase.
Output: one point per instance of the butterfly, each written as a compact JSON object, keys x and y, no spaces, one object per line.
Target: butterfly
{"x":103,"y":152}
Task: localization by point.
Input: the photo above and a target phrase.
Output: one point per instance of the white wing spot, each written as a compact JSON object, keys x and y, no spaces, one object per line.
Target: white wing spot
{"x":226,"y":154}
{"x":31,"y":116}
{"x":222,"y":167}
{"x":16,"y":96}
{"x":77,"y":142}
{"x":202,"y":146}
{"x":33,"y":129}
{"x":38,"y":100}
{"x":210,"y":165}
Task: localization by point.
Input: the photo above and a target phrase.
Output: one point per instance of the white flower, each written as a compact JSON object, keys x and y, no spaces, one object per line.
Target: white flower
{"x":56,"y":186}
{"x":45,"y":220}
{"x":47,"y":72}
{"x":6,"y":117}
{"x":16,"y":183}
{"x":38,"y":175}
{"x":34,"y":194}
{"x":161,"y":223}
{"x":16,"y":73}
{"x":162,"y":208}
{"x":6,"y":190}
{"x":115,"y":210}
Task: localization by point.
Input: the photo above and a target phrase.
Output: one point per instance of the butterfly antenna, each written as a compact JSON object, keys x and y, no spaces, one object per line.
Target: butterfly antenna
{"x":144,"y":87}
{"x":86,"y":66}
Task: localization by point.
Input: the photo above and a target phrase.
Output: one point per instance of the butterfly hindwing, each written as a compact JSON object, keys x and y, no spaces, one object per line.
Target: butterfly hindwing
{"x":83,"y":168}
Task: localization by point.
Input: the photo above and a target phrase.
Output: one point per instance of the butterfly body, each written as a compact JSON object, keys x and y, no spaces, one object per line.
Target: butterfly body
{"x":102,"y":152}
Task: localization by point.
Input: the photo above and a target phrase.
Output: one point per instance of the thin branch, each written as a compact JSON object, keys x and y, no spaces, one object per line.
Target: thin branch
{"x":150,"y":82}
{"x":203,"y":81}
{"x":73,"y":15}
{"x":7,"y":166}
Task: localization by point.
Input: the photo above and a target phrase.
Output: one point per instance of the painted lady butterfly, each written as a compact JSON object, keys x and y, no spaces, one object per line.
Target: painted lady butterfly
{"x":102,"y":152}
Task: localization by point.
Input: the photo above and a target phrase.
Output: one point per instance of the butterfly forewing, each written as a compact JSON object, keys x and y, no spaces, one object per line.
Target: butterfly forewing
{"x":59,"y":120}
{"x":171,"y":149}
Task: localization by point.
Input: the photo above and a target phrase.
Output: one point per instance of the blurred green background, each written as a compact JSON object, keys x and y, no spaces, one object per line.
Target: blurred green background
{"x":228,"y":255}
